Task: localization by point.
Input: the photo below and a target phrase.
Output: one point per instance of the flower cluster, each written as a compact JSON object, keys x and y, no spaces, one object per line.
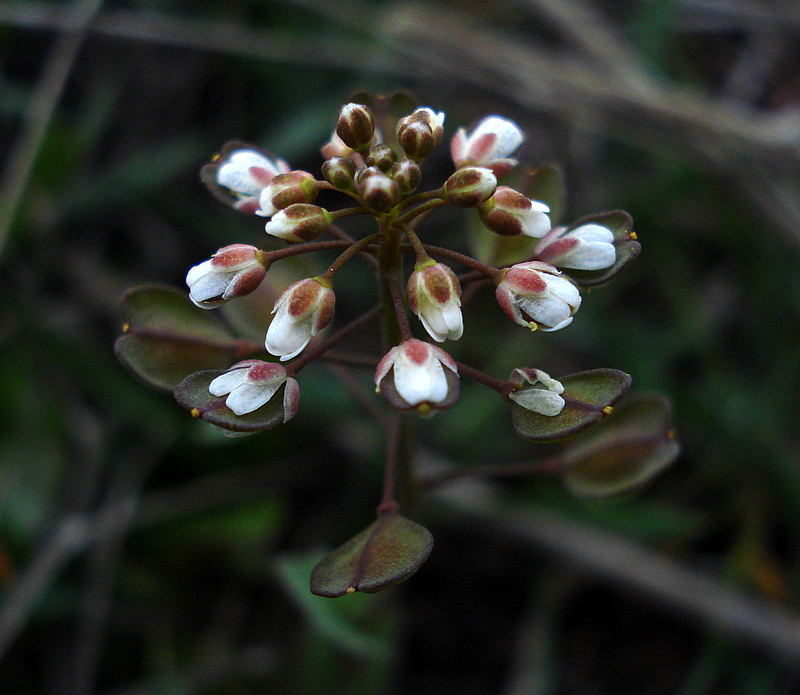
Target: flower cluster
{"x":373,"y":162}
{"x":382,"y":181}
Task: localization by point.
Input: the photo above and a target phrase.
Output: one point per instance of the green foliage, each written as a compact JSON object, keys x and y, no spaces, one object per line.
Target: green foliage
{"x":166,"y":337}
{"x":587,"y":394}
{"x":388,"y":551}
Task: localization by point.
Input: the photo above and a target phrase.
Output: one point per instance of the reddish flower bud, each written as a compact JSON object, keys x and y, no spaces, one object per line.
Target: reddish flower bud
{"x":509,"y":213}
{"x":470,"y":186}
{"x":303,"y":309}
{"x":376,"y":190}
{"x":299,"y":222}
{"x":382,"y":157}
{"x":536,"y":295}
{"x":416,"y":138}
{"x":233,"y":271}
{"x":340,"y":173}
{"x":407,"y":175}
{"x":433,"y":294}
{"x":285,"y":190}
{"x":356,"y":126}
{"x":418,"y":376}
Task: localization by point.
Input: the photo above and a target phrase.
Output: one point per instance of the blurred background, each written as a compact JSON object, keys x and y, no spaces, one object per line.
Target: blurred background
{"x":143,"y":554}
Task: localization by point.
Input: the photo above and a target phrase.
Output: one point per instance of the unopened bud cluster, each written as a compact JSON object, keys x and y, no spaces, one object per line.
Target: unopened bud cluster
{"x":381,"y":181}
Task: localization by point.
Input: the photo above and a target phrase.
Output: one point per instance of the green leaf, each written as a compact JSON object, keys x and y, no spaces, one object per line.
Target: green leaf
{"x":625,"y":451}
{"x":193,"y":394}
{"x":621,"y":224}
{"x":167,"y":337}
{"x":388,"y":551}
{"x":587,"y":395}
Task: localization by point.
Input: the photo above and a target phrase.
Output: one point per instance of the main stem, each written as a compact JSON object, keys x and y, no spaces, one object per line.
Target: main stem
{"x":398,"y":487}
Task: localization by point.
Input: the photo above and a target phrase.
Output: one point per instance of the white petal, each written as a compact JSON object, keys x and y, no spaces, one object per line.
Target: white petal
{"x":593,"y":232}
{"x":208,"y":287}
{"x":566,"y":291}
{"x":286,"y":338}
{"x":558,"y":326}
{"x":434,"y":323}
{"x":251,"y":396}
{"x":535,"y":223}
{"x":538,"y":401}
{"x":548,"y":311}
{"x":198,"y":271}
{"x":420,"y":383}
{"x":227,"y":382}
{"x":235,"y":173}
{"x":593,"y":256}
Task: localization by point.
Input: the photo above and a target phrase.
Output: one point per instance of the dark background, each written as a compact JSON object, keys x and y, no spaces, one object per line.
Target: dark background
{"x":141,"y":553}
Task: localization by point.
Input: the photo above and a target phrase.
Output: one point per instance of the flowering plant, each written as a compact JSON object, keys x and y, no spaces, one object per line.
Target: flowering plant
{"x":374,"y":160}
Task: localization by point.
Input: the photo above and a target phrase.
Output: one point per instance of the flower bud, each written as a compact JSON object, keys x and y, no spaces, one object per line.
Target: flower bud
{"x":427,"y":116}
{"x":586,"y":247}
{"x":340,"y":173}
{"x":303,"y":309}
{"x":545,"y":395}
{"x":470,"y":186}
{"x":252,"y":384}
{"x":416,"y":138}
{"x":299,"y":222}
{"x":382,"y":157}
{"x":233,"y":271}
{"x":509,"y":213}
{"x":407,"y":175}
{"x":285,"y":190}
{"x":239,"y":174}
{"x":536,"y":295}
{"x":356,"y":126}
{"x":417,"y":376}
{"x":488,"y":145}
{"x":376,"y":190}
{"x":433,"y":295}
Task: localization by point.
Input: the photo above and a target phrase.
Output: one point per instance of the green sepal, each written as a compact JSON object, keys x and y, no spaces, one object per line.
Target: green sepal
{"x":621,"y":225}
{"x":625,"y":451}
{"x":167,"y":337}
{"x":193,"y":394}
{"x":586,"y":395}
{"x":388,"y":551}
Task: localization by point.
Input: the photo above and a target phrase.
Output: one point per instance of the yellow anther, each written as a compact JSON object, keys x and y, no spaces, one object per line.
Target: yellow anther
{"x":195,"y":412}
{"x":607,"y":410}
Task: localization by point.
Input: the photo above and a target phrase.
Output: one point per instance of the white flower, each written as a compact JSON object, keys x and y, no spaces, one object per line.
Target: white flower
{"x":417,"y":375}
{"x":233,"y":271}
{"x":586,"y":247}
{"x":246,"y":172}
{"x":433,"y":294}
{"x":252,"y":383}
{"x":509,"y":213}
{"x":490,"y":144}
{"x":536,"y":295}
{"x":299,"y":222}
{"x":303,"y":309}
{"x":545,"y":401}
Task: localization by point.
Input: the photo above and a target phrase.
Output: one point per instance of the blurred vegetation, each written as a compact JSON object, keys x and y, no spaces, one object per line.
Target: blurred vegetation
{"x":141,"y":553}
